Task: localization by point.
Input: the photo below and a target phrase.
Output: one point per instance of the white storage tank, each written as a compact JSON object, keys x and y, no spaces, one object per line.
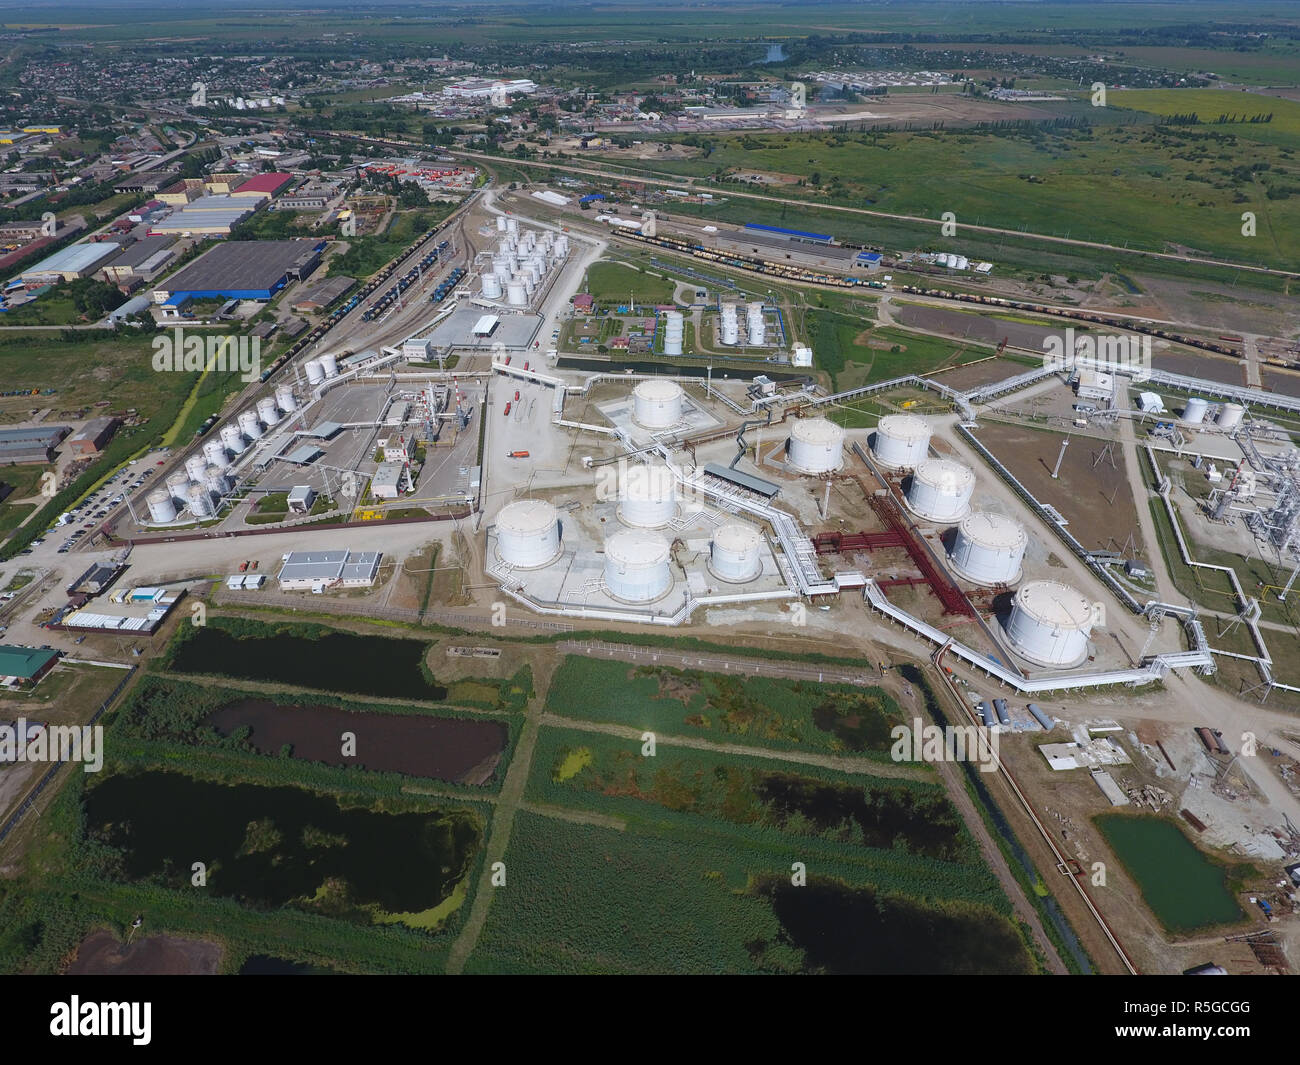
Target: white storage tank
{"x":215,"y":453}
{"x":736,"y":553}
{"x":329,"y":366}
{"x":1195,"y":411}
{"x":178,"y":485}
{"x":516,"y":294}
{"x":162,"y":508}
{"x":1050,"y":623}
{"x":315,"y":375}
{"x":216,"y":481}
{"x":901,"y":441}
{"x":816,"y":445}
{"x":199,"y":502}
{"x":941,"y":490}
{"x":1230,"y":416}
{"x":501,"y":223}
{"x":647,"y":496}
{"x":284,"y":399}
{"x":512,"y":226}
{"x":636,"y":566}
{"x":988,"y":548}
{"x":561,"y":247}
{"x":491,"y":287}
{"x":528,"y":533}
{"x":233,"y":439}
{"x":267,"y":412}
{"x":249,"y":425}
{"x":195,"y":466}
{"x":657,"y":404}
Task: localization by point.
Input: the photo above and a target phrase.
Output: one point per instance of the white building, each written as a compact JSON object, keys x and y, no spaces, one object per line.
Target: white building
{"x":389,"y":480}
{"x":318,"y":570}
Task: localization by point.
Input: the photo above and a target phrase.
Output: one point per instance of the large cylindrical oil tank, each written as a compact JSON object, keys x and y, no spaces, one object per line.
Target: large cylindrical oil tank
{"x":178,"y":485}
{"x":267,"y":412}
{"x":1194,"y":412}
{"x":561,"y":247}
{"x":200,"y":502}
{"x":816,"y":445}
{"x":195,"y":466}
{"x":501,"y":223}
{"x":284,"y":399}
{"x":216,"y":481}
{"x":657,"y":404}
{"x":516,"y":294}
{"x":315,"y":375}
{"x":736,"y":553}
{"x":512,"y":226}
{"x":647,"y":496}
{"x":249,"y":425}
{"x":1049,"y":623}
{"x":329,"y":366}
{"x":1230,"y":416}
{"x":214,"y":451}
{"x":901,"y":441}
{"x":491,"y":287}
{"x":636,"y":566}
{"x":528,"y":533}
{"x":989,"y":548}
{"x":233,"y":439}
{"x":940,"y":490}
{"x":162,"y":508}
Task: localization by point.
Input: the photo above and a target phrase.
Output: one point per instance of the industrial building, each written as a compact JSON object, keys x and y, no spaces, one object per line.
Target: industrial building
{"x":138,"y":610}
{"x":91,"y":437}
{"x":301,"y":498}
{"x":246,"y":269}
{"x":389,"y":480}
{"x":142,"y":260}
{"x":321,"y":294}
{"x":71,"y":263}
{"x":23,"y":667}
{"x":208,"y":216}
{"x":318,"y":570}
{"x":262,"y":185}
{"x":33,"y":444}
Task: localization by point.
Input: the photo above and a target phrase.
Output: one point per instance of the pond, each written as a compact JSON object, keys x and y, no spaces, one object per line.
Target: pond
{"x":274,"y":846}
{"x":336,"y":661}
{"x":1185,"y":889}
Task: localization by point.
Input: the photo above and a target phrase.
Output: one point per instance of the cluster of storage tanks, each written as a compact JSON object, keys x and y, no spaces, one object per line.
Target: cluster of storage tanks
{"x":1229,"y":415}
{"x":755,"y":325}
{"x":952,"y":262}
{"x":674,"y":328}
{"x":520,"y":261}
{"x":637,"y":567}
{"x":207,"y":473}
{"x":321,"y":369}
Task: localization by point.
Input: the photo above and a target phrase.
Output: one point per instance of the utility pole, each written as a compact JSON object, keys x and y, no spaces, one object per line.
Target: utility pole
{"x":1056,"y":470}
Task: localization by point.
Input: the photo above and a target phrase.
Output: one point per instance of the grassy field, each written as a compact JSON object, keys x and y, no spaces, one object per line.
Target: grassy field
{"x":613,"y":284}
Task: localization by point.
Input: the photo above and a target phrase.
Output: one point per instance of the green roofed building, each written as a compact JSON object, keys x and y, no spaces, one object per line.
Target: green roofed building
{"x":22,"y":667}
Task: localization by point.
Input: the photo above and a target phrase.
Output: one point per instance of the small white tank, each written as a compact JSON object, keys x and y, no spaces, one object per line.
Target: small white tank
{"x":329,"y":366}
{"x":528,"y":533}
{"x":284,"y":399}
{"x":736,"y":553}
{"x":657,"y":403}
{"x":267,"y":412}
{"x":816,"y":445}
{"x":901,"y":441}
{"x":162,"y":508}
{"x":1050,"y":623}
{"x":315,"y":375}
{"x":195,"y":466}
{"x":1195,"y":411}
{"x":1230,"y":416}
{"x":647,"y":496}
{"x":988,"y":548}
{"x":941,"y":490}
{"x":233,"y":439}
{"x":249,"y":425}
{"x":491,"y":287}
{"x":200,"y":502}
{"x":636,"y":566}
{"x":215,"y":453}
{"x":216,"y":481}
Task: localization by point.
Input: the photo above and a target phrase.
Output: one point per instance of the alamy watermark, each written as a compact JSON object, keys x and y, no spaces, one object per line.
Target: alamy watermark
{"x":1116,"y":353}
{"x":919,"y":742}
{"x":53,"y":743}
{"x":176,"y":352}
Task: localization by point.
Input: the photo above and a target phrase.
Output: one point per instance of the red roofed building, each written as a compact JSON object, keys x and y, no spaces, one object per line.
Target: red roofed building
{"x":263,"y":185}
{"x":582,"y":302}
